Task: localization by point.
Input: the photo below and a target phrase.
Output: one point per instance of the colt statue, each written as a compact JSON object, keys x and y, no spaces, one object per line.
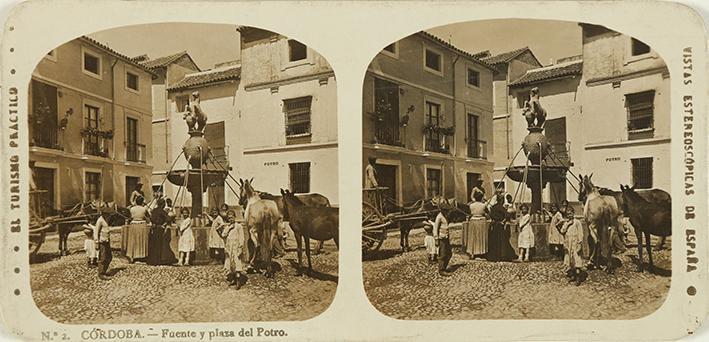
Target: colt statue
{"x":533,"y":110}
{"x":194,"y":114}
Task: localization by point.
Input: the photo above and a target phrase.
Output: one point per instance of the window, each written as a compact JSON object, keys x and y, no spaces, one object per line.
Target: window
{"x":640,"y":114}
{"x":51,"y":55}
{"x":297,"y":114}
{"x":300,"y":177}
{"x":134,"y":151}
{"x":391,"y":48}
{"x":181,"y":102}
{"x":386,"y":109}
{"x":433,"y":182}
{"x":44,"y":120}
{"x":296,"y":51}
{"x":91,"y":140}
{"x":473,"y":78}
{"x":432,"y":121}
{"x":132,"y":81}
{"x":642,"y":173}
{"x":639,"y":48}
{"x":433,"y":61}
{"x":92,"y":186}
{"x":92,"y":64}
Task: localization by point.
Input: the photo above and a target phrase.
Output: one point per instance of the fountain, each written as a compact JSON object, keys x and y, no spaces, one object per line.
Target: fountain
{"x":196,"y":178}
{"x":536,"y":172}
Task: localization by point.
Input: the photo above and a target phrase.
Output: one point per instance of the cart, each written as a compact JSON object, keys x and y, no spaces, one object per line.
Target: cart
{"x":376,"y":220}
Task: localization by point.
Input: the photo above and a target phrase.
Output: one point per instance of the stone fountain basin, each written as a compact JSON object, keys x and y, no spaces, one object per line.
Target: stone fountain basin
{"x":196,"y":177}
{"x":554,"y":174}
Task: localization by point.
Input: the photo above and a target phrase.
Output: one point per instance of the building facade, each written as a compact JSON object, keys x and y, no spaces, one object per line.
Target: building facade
{"x":427,"y":118}
{"x":89,"y":124}
{"x":286,"y":105}
{"x":168,"y":70}
{"x":625,"y":109}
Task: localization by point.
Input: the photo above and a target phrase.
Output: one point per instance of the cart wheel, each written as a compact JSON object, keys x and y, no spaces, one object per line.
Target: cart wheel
{"x":374,"y":226}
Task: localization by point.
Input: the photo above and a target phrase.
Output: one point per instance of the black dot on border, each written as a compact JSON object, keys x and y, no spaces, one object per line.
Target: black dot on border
{"x":17,"y":292}
{"x":17,"y":248}
{"x":17,"y":270}
{"x":691,"y":290}
{"x":12,"y":28}
{"x":12,"y":49}
{"x":12,"y":71}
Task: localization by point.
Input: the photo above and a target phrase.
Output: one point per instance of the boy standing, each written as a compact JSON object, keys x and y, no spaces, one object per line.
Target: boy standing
{"x":572,"y":230}
{"x":102,"y":239}
{"x":441,"y":234}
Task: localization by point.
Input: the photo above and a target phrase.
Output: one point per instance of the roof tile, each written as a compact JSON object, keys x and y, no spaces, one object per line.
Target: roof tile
{"x":208,"y":76}
{"x":573,"y":68}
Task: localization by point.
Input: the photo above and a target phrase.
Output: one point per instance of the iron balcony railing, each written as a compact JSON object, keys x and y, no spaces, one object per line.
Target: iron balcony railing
{"x":221,"y":157}
{"x":135,"y":152}
{"x":387,"y":134}
{"x":477,"y":149}
{"x":438,"y":146}
{"x":559,"y":155}
{"x":95,"y":146}
{"x":47,"y":138}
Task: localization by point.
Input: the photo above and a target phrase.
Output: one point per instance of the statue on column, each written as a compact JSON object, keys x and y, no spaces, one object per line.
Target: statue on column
{"x":533,"y":110}
{"x":194,"y":114}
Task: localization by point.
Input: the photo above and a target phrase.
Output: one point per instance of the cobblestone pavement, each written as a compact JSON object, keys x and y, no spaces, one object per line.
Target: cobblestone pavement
{"x":66,"y":290}
{"x":406,"y":286}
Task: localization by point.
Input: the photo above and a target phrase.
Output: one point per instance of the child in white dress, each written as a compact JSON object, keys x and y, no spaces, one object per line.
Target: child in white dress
{"x":90,"y":246}
{"x":186,"y":242}
{"x":525,"y":240}
{"x":430,"y":243}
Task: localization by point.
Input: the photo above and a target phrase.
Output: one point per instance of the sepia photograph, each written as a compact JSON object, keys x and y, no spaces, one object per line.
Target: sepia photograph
{"x":183,"y":172}
{"x":516,"y":169}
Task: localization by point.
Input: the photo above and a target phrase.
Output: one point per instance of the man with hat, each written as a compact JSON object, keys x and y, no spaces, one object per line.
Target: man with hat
{"x":442,"y":238}
{"x":102,"y":241}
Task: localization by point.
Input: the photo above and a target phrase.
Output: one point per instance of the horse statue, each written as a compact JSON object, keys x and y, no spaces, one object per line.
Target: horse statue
{"x":601,"y":214}
{"x":317,"y":223}
{"x":648,"y":217}
{"x":262,"y":220}
{"x":194,"y":114}
{"x":533,"y":111}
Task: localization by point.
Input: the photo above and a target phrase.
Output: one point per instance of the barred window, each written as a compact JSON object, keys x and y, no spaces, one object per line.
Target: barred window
{"x":297,"y":114}
{"x":640,"y":114}
{"x":642,"y":173}
{"x":300,"y":177}
{"x":92,"y":144}
{"x":92,"y":186}
{"x":433,"y":182}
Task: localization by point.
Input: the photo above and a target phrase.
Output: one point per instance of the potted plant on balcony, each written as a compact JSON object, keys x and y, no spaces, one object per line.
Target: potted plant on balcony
{"x":380,"y":108}
{"x":449,"y":131}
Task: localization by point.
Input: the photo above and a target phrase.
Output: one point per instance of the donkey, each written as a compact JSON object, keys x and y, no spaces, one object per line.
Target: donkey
{"x":648,"y":218}
{"x":318,"y":223}
{"x":311,"y":200}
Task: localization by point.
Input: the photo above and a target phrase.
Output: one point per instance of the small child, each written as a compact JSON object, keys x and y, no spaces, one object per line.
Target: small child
{"x":525,"y":240}
{"x":430,"y":243}
{"x":90,"y":246}
{"x":186,"y":242}
{"x":572,"y":230}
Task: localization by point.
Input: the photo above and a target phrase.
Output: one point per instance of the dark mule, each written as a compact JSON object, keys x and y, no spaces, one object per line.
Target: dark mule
{"x":311,"y":200}
{"x":87,"y":213}
{"x":317,"y":223}
{"x":458,"y":213}
{"x":648,"y":218}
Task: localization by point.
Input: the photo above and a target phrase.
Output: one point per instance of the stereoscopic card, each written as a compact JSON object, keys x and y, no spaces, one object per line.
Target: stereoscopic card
{"x":376,"y":171}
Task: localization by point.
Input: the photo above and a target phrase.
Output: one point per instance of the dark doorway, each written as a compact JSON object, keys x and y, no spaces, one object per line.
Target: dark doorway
{"x":131,"y":182}
{"x":472,"y":180}
{"x":214,"y":134}
{"x":216,"y":194}
{"x":386,"y":109}
{"x":44,"y":181}
{"x":386,"y":176}
{"x":555,"y":131}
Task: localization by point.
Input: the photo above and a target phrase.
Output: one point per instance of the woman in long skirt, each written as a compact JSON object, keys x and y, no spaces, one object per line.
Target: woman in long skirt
{"x":236,"y":258}
{"x":499,"y":248}
{"x":572,"y":229}
{"x":554,"y":237}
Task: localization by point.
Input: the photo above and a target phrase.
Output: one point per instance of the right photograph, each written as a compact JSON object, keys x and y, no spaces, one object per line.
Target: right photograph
{"x":516,"y":169}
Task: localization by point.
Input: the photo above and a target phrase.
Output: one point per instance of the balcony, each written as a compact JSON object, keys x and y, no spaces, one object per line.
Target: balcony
{"x":387,"y":134}
{"x":47,"y":138}
{"x":221,"y":157}
{"x":437,"y":145}
{"x":95,"y":146}
{"x":135,"y":152}
{"x":560,"y":155}
{"x":477,"y":149}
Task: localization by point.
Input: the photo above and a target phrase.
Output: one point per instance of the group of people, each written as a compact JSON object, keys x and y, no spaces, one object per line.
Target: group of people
{"x":565,"y":233}
{"x":226,"y":240}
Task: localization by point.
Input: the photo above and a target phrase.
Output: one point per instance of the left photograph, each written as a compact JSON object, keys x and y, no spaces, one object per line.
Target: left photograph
{"x":183,"y":172}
